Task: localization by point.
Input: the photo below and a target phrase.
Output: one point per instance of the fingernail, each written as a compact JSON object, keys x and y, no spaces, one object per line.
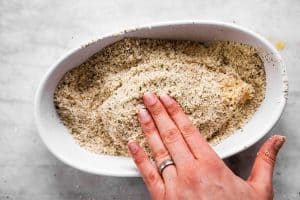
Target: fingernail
{"x":149,"y":98}
{"x":133,"y":147}
{"x":144,"y":115}
{"x":166,"y":99}
{"x":279,"y":141}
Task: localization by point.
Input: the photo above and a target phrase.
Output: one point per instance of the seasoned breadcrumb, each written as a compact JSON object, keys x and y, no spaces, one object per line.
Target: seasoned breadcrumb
{"x":219,"y":85}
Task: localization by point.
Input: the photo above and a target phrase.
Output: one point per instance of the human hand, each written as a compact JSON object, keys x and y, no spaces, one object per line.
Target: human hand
{"x":198,"y":172}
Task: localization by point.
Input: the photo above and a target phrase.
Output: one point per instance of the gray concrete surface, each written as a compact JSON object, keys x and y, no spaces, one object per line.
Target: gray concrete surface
{"x":34,"y":33}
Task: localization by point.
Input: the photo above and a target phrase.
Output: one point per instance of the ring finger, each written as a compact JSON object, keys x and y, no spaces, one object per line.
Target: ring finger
{"x":159,"y":151}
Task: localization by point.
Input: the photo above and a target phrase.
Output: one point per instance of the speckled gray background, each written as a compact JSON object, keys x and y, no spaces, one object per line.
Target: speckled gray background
{"x":35,"y":33}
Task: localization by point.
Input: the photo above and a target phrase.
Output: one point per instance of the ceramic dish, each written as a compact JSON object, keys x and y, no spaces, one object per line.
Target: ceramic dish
{"x":60,"y":142}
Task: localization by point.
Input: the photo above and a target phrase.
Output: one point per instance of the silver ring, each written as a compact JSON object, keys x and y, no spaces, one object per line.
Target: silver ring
{"x":165,"y":164}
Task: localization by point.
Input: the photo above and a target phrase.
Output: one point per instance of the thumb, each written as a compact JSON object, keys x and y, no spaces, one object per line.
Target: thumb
{"x":262,"y":171}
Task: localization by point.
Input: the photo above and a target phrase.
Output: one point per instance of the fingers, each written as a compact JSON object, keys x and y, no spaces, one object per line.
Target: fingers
{"x":149,"y":173}
{"x":159,"y":150}
{"x":169,"y":132}
{"x":196,"y":142}
{"x":262,"y":171}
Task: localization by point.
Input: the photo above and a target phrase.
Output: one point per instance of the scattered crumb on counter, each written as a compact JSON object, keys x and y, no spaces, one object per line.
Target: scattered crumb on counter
{"x":280,"y":45}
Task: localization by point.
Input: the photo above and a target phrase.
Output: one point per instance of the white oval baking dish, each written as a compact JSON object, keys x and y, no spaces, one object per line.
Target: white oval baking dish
{"x":61,"y":144}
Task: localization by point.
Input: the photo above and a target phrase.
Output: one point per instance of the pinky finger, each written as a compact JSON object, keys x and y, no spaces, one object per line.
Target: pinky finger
{"x":149,"y":173}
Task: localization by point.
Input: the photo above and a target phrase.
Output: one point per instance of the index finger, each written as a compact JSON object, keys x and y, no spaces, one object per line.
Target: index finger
{"x":168,"y":131}
{"x":196,"y":142}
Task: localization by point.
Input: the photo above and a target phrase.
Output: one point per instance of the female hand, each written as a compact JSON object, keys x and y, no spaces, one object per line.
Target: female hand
{"x":198,"y":172}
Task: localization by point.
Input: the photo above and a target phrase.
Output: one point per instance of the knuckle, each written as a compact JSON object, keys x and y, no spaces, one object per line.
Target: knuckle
{"x":151,"y":178}
{"x":267,"y":157}
{"x":193,"y":168}
{"x":156,"y":109}
{"x":212,"y":168}
{"x":148,"y":127}
{"x":173,"y":109}
{"x":146,"y":122}
{"x":190,"y":177}
{"x":188,"y":130}
{"x":140,"y":159}
{"x":171,"y":136}
{"x":161,"y":154}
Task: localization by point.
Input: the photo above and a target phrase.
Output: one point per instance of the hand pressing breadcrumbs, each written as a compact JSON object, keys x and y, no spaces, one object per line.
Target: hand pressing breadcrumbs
{"x":187,"y":166}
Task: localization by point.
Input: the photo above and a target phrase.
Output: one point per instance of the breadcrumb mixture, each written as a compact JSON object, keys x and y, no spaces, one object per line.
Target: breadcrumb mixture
{"x":219,"y":85}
